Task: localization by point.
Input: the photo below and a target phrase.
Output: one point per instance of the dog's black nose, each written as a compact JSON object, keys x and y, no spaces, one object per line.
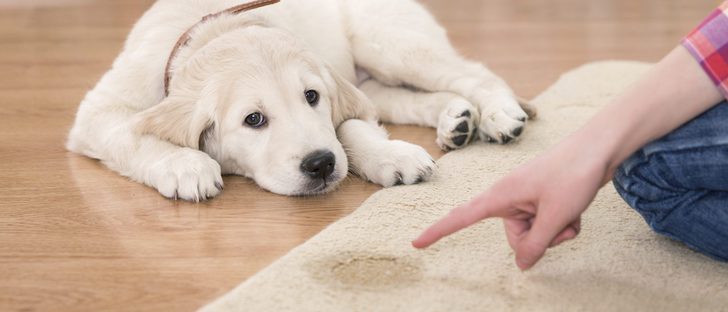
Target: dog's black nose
{"x":319,"y":164}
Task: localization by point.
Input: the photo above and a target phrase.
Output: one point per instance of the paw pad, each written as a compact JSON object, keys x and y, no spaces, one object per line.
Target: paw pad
{"x":456,"y":125}
{"x":460,"y":140}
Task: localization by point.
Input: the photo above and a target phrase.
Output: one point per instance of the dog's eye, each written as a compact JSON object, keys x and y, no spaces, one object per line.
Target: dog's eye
{"x":255,"y":120}
{"x":312,"y":97}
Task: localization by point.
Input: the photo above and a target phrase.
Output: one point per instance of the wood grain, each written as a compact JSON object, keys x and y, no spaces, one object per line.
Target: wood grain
{"x":75,"y":236}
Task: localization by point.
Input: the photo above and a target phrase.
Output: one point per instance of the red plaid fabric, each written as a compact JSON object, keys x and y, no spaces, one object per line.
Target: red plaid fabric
{"x":709,"y":45}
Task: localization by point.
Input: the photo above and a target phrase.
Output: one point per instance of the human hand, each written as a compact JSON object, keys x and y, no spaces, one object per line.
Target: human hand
{"x":541,"y":203}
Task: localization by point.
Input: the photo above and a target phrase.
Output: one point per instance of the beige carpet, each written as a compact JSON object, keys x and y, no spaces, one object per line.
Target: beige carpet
{"x":364,"y":262}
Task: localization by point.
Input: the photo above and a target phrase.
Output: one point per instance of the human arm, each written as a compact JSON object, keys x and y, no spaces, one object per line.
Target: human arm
{"x":541,"y":202}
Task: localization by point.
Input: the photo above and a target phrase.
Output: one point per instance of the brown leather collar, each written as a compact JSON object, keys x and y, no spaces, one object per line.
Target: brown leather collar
{"x":185,"y":38}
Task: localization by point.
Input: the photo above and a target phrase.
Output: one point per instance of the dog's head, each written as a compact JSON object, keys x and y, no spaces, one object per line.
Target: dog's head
{"x":264,"y":106}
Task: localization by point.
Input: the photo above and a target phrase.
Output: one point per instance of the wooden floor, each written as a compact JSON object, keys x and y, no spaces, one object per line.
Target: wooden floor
{"x":75,"y":236}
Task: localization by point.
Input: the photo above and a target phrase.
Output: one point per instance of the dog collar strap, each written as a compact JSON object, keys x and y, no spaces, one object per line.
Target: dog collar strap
{"x":185,"y":38}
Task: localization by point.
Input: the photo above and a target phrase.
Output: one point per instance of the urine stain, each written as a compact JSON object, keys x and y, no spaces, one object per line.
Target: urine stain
{"x":369,"y":271}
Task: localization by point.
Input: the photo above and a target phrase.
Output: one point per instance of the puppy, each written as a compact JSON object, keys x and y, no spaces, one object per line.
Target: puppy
{"x":269,"y":93}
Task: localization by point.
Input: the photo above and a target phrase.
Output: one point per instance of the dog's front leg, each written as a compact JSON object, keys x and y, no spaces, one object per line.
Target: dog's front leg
{"x":374,"y":157}
{"x":175,"y":171}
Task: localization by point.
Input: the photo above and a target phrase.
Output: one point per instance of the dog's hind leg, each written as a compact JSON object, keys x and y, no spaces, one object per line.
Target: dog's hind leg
{"x":401,"y":44}
{"x":455,"y":118}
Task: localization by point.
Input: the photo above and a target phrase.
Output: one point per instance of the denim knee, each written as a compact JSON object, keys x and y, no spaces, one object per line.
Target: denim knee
{"x":645,"y":185}
{"x":649,"y":185}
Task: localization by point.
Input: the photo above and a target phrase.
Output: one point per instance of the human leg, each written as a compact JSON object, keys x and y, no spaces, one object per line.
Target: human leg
{"x":679,"y":183}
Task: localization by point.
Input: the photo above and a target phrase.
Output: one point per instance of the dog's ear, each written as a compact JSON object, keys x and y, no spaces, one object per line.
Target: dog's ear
{"x":347,"y":101}
{"x":527,"y":107}
{"x":177,"y":120}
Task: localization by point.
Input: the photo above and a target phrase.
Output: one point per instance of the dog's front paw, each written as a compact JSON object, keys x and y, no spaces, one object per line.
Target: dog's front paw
{"x":187,"y":174}
{"x":400,"y":163}
{"x":457,"y":124}
{"x":502,"y":120}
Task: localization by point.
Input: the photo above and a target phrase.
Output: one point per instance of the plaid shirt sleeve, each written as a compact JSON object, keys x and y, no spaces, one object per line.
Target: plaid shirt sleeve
{"x":708,"y":43}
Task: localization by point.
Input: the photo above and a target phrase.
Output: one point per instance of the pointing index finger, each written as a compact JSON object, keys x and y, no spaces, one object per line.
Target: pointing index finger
{"x":459,"y":218}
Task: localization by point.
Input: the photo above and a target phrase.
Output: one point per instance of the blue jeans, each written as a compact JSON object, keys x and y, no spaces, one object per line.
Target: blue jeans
{"x":679,"y":183}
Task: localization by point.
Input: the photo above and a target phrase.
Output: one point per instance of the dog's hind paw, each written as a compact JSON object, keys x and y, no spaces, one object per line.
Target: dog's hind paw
{"x":457,"y":124}
{"x":502,"y":119}
{"x":187,"y":174}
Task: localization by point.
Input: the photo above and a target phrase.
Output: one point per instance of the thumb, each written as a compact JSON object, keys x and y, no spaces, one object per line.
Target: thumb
{"x":533,"y":245}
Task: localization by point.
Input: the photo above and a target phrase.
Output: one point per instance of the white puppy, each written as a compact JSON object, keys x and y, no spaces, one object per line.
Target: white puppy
{"x":269,"y":94}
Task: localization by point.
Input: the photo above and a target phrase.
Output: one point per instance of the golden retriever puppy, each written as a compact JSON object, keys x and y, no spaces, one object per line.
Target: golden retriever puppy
{"x":272,"y":94}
